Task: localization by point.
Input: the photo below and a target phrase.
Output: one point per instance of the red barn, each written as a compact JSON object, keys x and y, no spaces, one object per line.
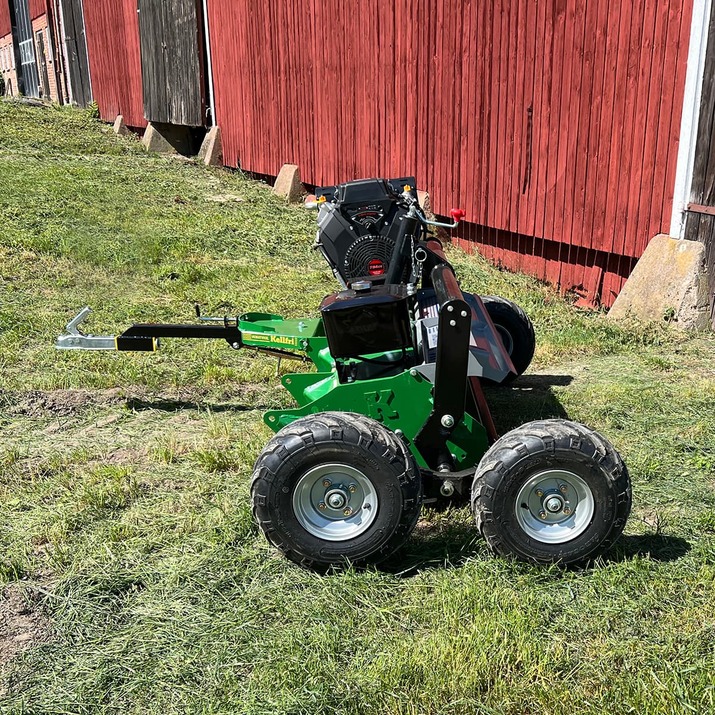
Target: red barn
{"x":568,"y":130}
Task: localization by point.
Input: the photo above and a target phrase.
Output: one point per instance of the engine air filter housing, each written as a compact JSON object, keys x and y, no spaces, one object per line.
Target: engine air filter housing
{"x":367,"y":322}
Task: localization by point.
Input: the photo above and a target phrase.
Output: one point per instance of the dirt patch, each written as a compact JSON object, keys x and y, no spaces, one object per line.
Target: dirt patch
{"x":60,"y":404}
{"x":22,"y":625}
{"x":57,"y":403}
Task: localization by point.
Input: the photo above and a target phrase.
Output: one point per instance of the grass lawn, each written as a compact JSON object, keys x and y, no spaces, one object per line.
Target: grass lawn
{"x":132,"y":577}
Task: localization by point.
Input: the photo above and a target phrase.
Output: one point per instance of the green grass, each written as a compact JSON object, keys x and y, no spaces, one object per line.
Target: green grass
{"x":124,"y":499}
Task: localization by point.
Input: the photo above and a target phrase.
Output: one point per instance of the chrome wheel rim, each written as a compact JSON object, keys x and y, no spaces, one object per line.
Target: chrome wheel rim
{"x":335,"y":502}
{"x":555,"y":506}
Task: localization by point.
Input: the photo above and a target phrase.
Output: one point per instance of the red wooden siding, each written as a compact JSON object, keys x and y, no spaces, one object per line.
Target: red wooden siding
{"x":37,"y":8}
{"x":554,"y":123}
{"x":5,"y":26}
{"x":112,"y":31}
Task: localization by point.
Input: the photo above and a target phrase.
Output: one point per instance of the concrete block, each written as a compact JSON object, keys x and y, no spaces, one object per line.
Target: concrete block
{"x":211,"y":152}
{"x":668,"y":283}
{"x":288,"y":183}
{"x":120,"y":127}
{"x":154,"y":140}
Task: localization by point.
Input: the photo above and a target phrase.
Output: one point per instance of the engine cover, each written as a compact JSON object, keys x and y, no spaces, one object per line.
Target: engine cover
{"x":358,"y":225}
{"x":364,"y":323}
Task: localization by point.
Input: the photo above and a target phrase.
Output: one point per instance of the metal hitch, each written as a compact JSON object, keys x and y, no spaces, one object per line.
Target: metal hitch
{"x":75,"y":339}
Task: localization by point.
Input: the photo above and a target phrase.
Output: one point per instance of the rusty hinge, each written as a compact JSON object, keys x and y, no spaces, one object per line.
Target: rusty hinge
{"x":700,"y":209}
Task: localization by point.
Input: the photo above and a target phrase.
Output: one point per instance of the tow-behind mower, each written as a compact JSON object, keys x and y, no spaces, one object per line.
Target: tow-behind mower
{"x":394,"y":415}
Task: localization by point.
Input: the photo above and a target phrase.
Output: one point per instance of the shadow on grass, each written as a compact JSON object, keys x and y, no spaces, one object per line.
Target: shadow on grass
{"x":529,"y":397}
{"x":434,"y":545}
{"x":657,"y":547}
{"x":164,"y":405}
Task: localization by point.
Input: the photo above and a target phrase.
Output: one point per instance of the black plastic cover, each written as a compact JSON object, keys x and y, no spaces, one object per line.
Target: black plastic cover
{"x":366,"y":323}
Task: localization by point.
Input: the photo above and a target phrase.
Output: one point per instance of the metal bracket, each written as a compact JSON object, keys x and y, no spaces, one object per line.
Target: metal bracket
{"x":75,"y":339}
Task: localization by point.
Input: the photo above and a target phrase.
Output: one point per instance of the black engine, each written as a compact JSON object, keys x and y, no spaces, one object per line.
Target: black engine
{"x":359,"y":226}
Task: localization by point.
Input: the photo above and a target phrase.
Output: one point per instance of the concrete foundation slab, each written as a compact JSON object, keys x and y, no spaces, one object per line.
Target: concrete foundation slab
{"x":120,"y":127}
{"x":669,"y":283}
{"x":154,"y":140}
{"x":211,"y":152}
{"x":288,"y":183}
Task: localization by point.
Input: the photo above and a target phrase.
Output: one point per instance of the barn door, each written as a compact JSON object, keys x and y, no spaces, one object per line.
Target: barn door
{"x":170,"y":34}
{"x":28,"y":79}
{"x":700,"y":221}
{"x":42,"y":64}
{"x":80,"y":88}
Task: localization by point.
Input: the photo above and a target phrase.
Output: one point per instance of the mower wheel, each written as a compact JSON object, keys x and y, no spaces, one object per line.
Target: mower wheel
{"x":336,"y":488}
{"x":515,"y":330}
{"x":551,"y":491}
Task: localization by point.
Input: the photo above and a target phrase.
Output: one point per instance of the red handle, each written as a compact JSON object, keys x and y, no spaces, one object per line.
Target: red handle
{"x":458,"y":215}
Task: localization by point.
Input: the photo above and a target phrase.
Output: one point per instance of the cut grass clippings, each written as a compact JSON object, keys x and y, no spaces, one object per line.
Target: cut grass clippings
{"x":126,"y":537}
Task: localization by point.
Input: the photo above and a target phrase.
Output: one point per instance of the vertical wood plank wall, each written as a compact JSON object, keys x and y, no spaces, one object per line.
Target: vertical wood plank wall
{"x":700,"y":226}
{"x":5,"y":23}
{"x":554,"y":123}
{"x":114,"y":60}
{"x":171,"y":41}
{"x":37,"y":8}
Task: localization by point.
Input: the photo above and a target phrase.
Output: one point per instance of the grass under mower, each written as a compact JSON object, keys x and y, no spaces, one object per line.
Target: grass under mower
{"x":394,"y":415}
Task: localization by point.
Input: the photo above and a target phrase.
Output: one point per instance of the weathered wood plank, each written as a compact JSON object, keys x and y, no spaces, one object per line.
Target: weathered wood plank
{"x":171,"y":58}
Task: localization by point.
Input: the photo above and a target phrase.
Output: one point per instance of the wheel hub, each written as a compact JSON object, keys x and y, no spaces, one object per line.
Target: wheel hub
{"x":335,"y":502}
{"x":336,"y":499}
{"x":555,"y":506}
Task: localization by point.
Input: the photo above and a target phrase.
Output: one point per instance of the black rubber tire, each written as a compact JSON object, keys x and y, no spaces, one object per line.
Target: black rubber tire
{"x":515,"y":329}
{"x":342,"y":437}
{"x":543,"y":445}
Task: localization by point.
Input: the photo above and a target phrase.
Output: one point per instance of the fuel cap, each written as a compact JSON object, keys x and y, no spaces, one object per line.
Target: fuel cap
{"x":361,"y":286}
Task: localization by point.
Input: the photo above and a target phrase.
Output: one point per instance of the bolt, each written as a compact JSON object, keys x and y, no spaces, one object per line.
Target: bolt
{"x":563,"y":489}
{"x":452,"y":322}
{"x":567,"y":510}
{"x":542,"y":514}
{"x":413,"y":372}
{"x":554,"y":504}
{"x":327,"y":483}
{"x":447,"y":488}
{"x":450,"y":308}
{"x":447,"y":421}
{"x":348,"y":511}
{"x":321,"y":505}
{"x":336,"y":500}
{"x":352,"y":488}
{"x":539,"y":493}
{"x":235,"y":346}
{"x":464,"y":313}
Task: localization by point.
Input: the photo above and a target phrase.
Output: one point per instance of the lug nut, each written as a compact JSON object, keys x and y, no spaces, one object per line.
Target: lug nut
{"x":327,"y":483}
{"x":447,"y":421}
{"x":352,"y":488}
{"x":563,"y":489}
{"x":539,"y":493}
{"x":567,"y":510}
{"x":348,"y":511}
{"x":321,"y":505}
{"x":542,"y":514}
